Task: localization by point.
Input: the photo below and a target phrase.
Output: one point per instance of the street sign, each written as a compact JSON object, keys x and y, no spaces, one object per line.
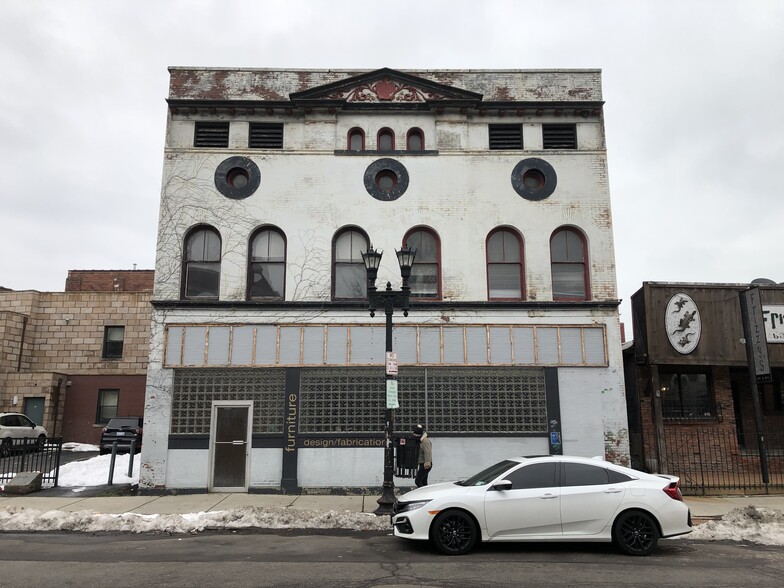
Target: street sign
{"x":391,"y":363}
{"x":392,"y":394}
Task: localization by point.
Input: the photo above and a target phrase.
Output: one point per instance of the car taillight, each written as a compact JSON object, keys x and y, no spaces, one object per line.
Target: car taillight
{"x":673,"y":491}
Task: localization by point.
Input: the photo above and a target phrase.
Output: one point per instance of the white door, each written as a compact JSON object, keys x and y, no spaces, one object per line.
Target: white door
{"x":230,"y":435}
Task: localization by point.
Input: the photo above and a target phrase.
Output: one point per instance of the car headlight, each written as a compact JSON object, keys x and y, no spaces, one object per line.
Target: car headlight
{"x":408,"y":506}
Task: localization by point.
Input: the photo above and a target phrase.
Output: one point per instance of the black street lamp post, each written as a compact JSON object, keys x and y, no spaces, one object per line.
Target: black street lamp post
{"x":388,"y":299}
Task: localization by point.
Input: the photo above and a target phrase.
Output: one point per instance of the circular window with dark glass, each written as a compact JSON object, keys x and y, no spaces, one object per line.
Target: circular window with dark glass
{"x":237,"y":177}
{"x":386,"y":179}
{"x":534,"y":179}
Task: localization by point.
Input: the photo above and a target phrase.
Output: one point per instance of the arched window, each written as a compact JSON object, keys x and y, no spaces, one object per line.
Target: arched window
{"x":505,"y":276}
{"x":569,"y":267}
{"x":356,"y":139}
{"x":349,"y":276}
{"x":386,"y":140}
{"x":267,"y":267}
{"x":425,"y":279}
{"x":201,"y":264}
{"x":415,"y":140}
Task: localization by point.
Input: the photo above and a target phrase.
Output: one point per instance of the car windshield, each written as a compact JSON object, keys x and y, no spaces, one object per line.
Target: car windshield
{"x":487,"y":475}
{"x":120,"y":423}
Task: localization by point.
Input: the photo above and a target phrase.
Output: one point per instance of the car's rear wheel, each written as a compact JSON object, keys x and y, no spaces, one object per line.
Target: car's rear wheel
{"x":453,"y":532}
{"x":5,"y":447}
{"x":635,"y":533}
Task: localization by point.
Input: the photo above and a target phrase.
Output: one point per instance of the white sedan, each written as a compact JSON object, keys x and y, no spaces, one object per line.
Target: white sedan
{"x":546,"y":498}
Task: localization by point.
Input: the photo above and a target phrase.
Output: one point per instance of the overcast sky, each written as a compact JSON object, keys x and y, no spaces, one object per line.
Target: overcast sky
{"x":693,"y":90}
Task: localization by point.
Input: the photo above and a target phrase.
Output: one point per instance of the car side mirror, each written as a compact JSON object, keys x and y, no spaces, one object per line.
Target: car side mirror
{"x":502,"y":485}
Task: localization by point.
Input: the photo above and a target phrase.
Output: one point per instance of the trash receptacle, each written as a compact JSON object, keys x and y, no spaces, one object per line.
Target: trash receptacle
{"x":406,"y":456}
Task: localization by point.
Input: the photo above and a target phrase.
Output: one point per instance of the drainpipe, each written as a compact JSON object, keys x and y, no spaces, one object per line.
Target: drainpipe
{"x":21,"y":344}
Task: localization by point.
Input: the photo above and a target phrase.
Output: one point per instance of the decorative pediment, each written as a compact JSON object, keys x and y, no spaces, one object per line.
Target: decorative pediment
{"x":385,"y":86}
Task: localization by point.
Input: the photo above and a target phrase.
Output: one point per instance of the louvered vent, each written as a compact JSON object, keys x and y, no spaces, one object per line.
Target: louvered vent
{"x":506,"y":136}
{"x":266,"y":136}
{"x":563,"y":136}
{"x":211,"y":134}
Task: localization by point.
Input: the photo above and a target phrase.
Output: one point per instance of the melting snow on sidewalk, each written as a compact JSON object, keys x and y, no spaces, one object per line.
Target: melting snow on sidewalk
{"x":750,"y":523}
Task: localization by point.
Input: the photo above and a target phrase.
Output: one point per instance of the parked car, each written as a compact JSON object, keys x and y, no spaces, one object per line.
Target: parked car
{"x":14,"y":425}
{"x":546,"y":498}
{"x":124,"y":430}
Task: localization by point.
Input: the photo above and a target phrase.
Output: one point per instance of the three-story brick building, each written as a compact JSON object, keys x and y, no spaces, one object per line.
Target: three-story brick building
{"x":266,"y":369}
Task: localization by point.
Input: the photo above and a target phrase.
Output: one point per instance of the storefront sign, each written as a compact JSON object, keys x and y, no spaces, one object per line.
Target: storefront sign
{"x":683,"y":323}
{"x":774,"y":323}
{"x":754,"y":333}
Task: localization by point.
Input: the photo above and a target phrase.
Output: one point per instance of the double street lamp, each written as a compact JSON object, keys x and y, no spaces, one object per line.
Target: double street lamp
{"x":388,"y":299}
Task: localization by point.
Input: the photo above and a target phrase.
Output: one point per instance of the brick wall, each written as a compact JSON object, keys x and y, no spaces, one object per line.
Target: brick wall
{"x":63,"y":339}
{"x":109,"y":281}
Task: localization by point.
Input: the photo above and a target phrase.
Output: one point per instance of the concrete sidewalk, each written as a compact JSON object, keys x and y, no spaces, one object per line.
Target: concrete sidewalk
{"x":702,"y":507}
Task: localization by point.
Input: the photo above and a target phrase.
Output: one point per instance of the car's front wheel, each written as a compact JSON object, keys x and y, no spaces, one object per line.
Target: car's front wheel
{"x":635,"y":533}
{"x":453,"y":532}
{"x":40,"y":442}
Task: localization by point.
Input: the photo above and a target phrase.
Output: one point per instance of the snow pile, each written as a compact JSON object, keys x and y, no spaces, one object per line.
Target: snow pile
{"x":95,"y":471}
{"x":71,"y":446}
{"x":749,"y":523}
{"x":249,"y":517}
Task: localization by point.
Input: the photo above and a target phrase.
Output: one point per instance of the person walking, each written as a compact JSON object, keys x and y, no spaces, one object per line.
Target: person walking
{"x":425,"y":459}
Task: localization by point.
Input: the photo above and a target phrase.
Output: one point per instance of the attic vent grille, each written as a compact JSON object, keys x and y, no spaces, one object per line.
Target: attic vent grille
{"x":266,"y":136}
{"x":559,"y":136}
{"x":211,"y":134}
{"x":506,"y":136}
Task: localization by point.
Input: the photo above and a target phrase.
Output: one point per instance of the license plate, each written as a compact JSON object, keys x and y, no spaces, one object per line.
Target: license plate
{"x":120,"y":433}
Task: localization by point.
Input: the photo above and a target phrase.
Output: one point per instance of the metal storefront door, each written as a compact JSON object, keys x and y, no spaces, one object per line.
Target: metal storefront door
{"x":229,"y":448}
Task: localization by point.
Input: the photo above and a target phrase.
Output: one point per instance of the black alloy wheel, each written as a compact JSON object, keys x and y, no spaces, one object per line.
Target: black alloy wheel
{"x":453,"y":532}
{"x":635,"y":533}
{"x":5,"y":447}
{"x":40,"y":443}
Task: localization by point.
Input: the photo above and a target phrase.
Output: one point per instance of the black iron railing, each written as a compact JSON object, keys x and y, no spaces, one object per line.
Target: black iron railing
{"x":711,"y":461}
{"x":32,"y":455}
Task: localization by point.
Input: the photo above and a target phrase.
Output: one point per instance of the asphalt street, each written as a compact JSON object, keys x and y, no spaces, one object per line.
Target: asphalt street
{"x":352,"y":559}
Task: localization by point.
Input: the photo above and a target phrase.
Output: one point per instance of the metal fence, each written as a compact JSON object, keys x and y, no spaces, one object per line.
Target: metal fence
{"x":30,"y":455}
{"x":711,"y":461}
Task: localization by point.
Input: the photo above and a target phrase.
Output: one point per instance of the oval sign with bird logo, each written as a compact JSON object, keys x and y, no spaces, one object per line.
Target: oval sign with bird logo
{"x":683,"y":324}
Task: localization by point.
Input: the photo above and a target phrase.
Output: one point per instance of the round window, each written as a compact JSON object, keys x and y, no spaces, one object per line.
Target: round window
{"x":386,"y":179}
{"x":534,"y":179}
{"x":237,"y":177}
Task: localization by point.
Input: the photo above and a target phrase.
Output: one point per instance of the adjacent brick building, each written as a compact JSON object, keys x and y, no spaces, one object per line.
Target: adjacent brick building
{"x":691,"y":399}
{"x":72,"y":359}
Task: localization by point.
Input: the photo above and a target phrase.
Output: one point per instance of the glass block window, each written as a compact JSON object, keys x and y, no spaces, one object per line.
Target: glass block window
{"x":194,"y":391}
{"x":342,"y":400}
{"x":448,"y":400}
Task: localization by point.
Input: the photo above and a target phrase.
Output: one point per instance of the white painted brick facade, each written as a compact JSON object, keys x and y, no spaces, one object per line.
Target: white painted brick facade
{"x":311,"y":189}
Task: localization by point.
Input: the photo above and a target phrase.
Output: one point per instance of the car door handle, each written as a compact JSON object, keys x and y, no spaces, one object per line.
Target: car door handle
{"x":548,"y":496}
{"x":613,"y":491}
{"x":238,"y":442}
